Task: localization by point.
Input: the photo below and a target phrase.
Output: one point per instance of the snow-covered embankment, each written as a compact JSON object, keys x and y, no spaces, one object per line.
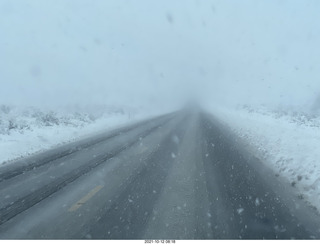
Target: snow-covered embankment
{"x":288,"y":142}
{"x":25,"y":131}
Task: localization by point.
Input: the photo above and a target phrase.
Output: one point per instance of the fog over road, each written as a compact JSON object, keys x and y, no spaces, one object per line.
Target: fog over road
{"x":178,"y":176}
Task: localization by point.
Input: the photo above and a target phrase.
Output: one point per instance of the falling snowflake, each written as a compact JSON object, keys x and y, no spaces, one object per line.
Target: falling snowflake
{"x":257,"y":202}
{"x":240,"y":210}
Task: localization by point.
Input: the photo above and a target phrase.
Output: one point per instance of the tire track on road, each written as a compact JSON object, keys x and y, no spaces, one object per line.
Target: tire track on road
{"x":25,"y":202}
{"x":131,"y":210}
{"x":13,"y":171}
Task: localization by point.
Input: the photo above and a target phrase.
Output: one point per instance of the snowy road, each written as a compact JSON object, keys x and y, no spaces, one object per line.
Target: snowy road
{"x":178,"y":176}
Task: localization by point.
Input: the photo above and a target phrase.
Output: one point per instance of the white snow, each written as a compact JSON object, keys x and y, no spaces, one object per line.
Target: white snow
{"x":286,"y":141}
{"x":240,"y":210}
{"x":25,"y":131}
{"x":257,"y":202}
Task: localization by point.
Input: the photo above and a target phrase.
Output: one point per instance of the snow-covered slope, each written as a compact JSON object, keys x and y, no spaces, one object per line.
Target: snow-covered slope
{"x":288,"y":142}
{"x":24,"y":131}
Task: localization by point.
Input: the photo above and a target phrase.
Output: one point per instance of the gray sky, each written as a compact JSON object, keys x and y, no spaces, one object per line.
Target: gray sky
{"x":159,"y":51}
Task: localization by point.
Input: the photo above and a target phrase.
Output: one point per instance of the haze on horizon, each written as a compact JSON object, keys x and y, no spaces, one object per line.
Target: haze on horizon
{"x":161,"y":53}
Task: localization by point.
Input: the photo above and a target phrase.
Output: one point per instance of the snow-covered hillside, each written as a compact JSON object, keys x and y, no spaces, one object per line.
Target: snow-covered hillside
{"x":287,"y":141}
{"x":24,"y":131}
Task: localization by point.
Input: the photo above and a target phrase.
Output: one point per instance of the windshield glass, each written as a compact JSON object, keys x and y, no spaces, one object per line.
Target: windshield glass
{"x":159,"y":120}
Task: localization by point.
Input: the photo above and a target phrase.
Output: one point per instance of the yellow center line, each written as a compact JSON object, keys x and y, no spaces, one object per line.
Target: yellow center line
{"x":86,"y":198}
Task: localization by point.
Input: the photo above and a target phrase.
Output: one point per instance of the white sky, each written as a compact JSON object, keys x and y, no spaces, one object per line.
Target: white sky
{"x":158,"y":51}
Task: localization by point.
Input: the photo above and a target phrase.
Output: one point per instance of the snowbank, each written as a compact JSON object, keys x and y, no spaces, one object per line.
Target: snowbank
{"x":25,"y":131}
{"x":288,"y":142}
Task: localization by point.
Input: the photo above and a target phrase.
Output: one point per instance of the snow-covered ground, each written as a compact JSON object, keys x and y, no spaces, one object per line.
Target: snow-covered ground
{"x":28,"y":130}
{"x":287,"y":141}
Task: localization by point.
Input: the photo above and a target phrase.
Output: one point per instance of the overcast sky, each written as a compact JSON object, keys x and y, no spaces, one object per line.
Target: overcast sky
{"x":159,"y":51}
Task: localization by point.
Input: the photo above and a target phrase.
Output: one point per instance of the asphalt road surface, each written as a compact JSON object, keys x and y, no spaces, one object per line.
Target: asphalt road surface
{"x":177,"y":176}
